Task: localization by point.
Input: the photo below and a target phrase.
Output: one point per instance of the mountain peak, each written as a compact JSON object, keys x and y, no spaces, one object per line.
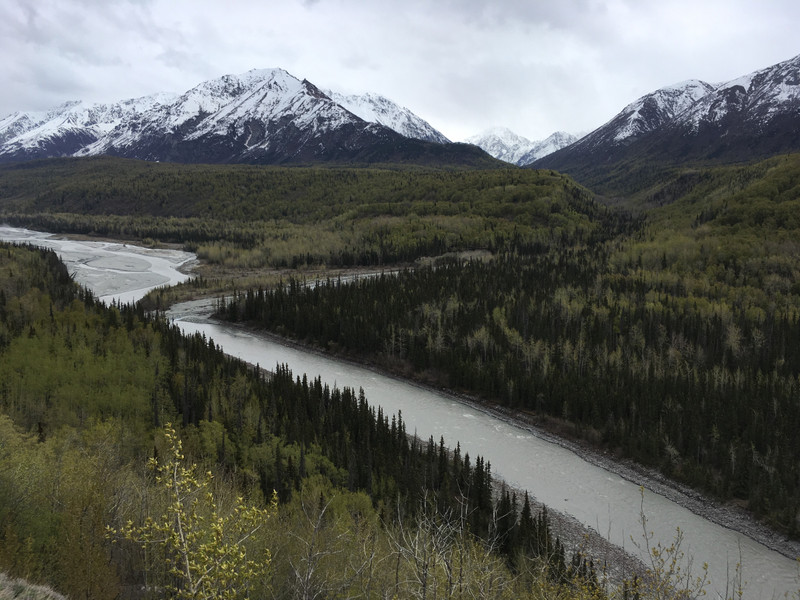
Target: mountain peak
{"x":500,"y":131}
{"x":753,"y":116}
{"x":262,"y":115}
{"x":504,"y":144}
{"x":375,"y":108}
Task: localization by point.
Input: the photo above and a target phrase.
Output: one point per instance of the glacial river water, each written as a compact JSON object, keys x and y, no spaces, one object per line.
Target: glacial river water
{"x":557,"y":476}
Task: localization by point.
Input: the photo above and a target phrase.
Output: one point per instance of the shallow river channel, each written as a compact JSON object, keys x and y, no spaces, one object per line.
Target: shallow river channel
{"x":556,"y":475}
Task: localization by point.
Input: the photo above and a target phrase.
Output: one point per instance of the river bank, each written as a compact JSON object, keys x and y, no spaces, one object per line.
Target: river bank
{"x":726,"y":515}
{"x":605,"y":505}
{"x":612,"y":562}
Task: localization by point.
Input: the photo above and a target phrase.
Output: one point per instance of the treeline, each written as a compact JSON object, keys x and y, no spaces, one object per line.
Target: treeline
{"x":104,"y":185}
{"x":84,"y":389}
{"x":246,"y":216}
{"x":705,"y":390}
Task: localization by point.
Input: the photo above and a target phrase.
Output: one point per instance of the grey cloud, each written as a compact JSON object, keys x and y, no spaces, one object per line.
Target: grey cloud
{"x":533,"y":65}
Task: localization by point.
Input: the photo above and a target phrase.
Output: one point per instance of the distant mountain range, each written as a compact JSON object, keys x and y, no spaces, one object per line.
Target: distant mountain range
{"x":506,"y":145}
{"x":262,"y":116}
{"x":269,"y":116}
{"x":751,"y":117}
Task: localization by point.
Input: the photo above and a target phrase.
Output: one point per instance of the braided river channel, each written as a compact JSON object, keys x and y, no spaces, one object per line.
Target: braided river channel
{"x":581,"y":486}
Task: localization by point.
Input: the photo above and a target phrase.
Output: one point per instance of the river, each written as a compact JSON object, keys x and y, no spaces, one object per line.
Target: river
{"x":554,"y":473}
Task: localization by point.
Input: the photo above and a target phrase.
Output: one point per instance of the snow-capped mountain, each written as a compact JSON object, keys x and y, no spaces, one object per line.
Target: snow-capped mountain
{"x":262,"y":116}
{"x":553,"y":142}
{"x":753,"y":116}
{"x":655,"y":110}
{"x":375,"y":108}
{"x":69,"y":127}
{"x":504,"y":144}
{"x":647,"y":114}
{"x":752,"y":101}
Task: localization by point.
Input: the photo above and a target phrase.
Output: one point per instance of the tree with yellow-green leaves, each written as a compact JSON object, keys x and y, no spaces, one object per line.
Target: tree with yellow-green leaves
{"x":205,"y":553}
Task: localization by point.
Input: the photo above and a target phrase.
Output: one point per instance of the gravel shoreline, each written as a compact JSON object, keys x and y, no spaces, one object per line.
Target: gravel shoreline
{"x":725,"y":515}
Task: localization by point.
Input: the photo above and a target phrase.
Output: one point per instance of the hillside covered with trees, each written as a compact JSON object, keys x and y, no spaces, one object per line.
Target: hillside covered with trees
{"x":265,"y":217}
{"x":301,"y":489}
{"x":675,"y":345}
{"x":663,"y":330}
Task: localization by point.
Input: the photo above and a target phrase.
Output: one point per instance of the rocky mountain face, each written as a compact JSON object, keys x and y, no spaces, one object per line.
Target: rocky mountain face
{"x":751,"y":117}
{"x":510,"y":147}
{"x":262,"y":116}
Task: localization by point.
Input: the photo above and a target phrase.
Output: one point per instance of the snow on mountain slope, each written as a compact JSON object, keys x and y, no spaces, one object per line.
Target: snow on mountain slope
{"x":18,"y":123}
{"x":755,"y":98}
{"x":752,"y":117}
{"x":69,"y":127}
{"x":262,"y":115}
{"x":266,"y":95}
{"x":378,"y":109}
{"x":241,"y":113}
{"x":504,"y":144}
{"x":649,"y":113}
{"x":232,"y":105}
{"x":552,"y":143}
{"x":747,"y":103}
{"x":658,"y":108}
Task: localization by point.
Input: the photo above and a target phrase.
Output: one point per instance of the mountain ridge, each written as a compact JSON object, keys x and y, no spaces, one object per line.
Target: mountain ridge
{"x":269,"y":116}
{"x":505,"y":145}
{"x":262,"y":116}
{"x":375,"y":108}
{"x":753,"y":116}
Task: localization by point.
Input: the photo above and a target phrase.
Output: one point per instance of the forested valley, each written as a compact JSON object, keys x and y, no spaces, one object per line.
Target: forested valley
{"x":352,"y":504}
{"x":675,"y":345}
{"x":663,"y":330}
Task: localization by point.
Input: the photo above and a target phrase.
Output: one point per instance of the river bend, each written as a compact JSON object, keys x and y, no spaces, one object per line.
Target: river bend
{"x":556,"y":475}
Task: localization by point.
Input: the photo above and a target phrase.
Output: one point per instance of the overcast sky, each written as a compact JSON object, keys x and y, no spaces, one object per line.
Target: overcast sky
{"x":534,"y":66}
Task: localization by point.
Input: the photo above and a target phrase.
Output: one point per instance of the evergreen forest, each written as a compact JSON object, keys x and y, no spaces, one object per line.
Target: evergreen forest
{"x":345,"y":501}
{"x":673,"y":342}
{"x":249,"y":217}
{"x":661,"y":325}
